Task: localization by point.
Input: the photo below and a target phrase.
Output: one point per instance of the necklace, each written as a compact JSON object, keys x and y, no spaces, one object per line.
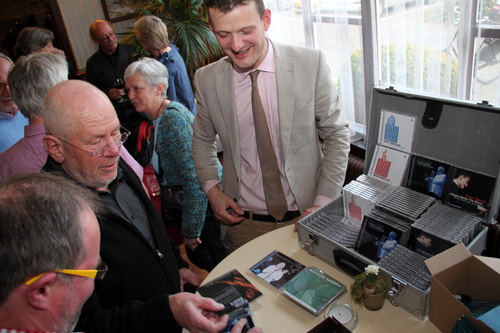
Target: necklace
{"x":159,"y":108}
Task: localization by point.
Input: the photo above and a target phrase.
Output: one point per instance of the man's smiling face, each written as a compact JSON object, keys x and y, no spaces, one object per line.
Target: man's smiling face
{"x":241,"y":34}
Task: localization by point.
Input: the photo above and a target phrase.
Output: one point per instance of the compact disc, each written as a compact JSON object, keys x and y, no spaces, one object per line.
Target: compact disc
{"x":344,"y":314}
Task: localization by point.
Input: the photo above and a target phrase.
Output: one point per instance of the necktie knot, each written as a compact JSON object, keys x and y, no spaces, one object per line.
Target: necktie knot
{"x":254,"y":75}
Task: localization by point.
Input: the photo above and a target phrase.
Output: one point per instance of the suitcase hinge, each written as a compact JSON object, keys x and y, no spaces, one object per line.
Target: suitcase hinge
{"x":398,"y":289}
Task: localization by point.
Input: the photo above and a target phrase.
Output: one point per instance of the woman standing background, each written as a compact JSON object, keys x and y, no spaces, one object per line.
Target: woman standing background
{"x":32,"y":40}
{"x":153,"y":35}
{"x":146,"y":82}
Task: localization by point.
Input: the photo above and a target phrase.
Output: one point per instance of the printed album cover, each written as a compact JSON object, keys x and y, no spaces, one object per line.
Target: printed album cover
{"x":428,"y":176}
{"x":309,"y":287}
{"x":470,"y":191}
{"x":397,"y":131}
{"x":276,"y":269}
{"x":313,"y":290}
{"x":378,"y":237}
{"x":231,"y":289}
{"x":388,"y":165}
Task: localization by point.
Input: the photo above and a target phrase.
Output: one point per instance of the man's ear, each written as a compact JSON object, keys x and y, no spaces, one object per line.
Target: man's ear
{"x":39,"y":294}
{"x":54,"y":147}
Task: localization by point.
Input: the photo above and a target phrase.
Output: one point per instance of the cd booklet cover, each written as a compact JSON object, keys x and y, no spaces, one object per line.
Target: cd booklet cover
{"x":231,"y":289}
{"x":276,"y":269}
{"x":308,"y":287}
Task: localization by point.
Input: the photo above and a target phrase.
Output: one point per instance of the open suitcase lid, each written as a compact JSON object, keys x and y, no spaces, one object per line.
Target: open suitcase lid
{"x":462,"y":134}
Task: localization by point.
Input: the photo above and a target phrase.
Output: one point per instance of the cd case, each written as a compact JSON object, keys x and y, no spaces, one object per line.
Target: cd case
{"x":308,"y":287}
{"x":231,"y":289}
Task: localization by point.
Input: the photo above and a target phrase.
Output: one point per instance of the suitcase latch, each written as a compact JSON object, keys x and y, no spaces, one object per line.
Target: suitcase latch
{"x":398,"y":289}
{"x":309,"y":244}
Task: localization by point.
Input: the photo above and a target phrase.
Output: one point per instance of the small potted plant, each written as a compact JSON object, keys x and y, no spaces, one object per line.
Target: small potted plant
{"x":369,"y":288}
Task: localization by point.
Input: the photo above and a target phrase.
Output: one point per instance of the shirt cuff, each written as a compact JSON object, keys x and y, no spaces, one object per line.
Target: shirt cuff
{"x":206,"y":186}
{"x":321,"y":200}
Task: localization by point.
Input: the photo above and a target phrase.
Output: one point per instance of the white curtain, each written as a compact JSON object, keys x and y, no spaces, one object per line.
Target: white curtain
{"x":426,"y":46}
{"x":416,"y":45}
{"x":333,"y":26}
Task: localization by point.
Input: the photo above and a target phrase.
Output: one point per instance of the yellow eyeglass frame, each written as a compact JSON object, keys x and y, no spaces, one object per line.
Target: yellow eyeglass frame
{"x":89,"y":273}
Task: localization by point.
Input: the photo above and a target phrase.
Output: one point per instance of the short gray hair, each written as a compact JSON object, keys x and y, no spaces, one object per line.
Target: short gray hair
{"x":40,"y":227}
{"x":32,"y":77}
{"x":32,"y":38}
{"x":153,"y":71}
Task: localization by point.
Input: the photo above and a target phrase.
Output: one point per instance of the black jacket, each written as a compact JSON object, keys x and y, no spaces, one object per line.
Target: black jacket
{"x":103,"y":74}
{"x":133,"y":296}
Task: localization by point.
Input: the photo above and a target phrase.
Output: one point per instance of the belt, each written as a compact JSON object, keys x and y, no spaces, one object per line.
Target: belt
{"x":290,"y":215}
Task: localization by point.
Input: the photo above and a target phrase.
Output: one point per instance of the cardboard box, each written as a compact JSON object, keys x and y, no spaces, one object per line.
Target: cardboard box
{"x":457,"y":271}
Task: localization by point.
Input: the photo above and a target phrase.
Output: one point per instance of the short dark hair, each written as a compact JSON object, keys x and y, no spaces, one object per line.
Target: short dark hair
{"x":228,"y":5}
{"x":32,"y":38}
{"x":40,"y":227}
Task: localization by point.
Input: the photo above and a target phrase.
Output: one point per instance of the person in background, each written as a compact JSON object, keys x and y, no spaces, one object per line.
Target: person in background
{"x":142,"y":291}
{"x":12,"y":122}
{"x":269,"y":183}
{"x":153,"y":35}
{"x":34,"y":40}
{"x":146,"y":81}
{"x":105,"y":67}
{"x":49,"y":250}
{"x":29,"y":80}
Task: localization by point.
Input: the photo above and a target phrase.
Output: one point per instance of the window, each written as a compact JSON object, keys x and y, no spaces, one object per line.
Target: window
{"x":448,"y":48}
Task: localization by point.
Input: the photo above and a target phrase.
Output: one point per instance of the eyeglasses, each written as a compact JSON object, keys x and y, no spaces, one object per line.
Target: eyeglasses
{"x":3,"y":86}
{"x":99,"y":151}
{"x":106,"y":37}
{"x":96,"y":274}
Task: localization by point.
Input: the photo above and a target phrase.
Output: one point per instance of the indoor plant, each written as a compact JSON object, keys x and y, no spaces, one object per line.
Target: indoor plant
{"x":369,"y":288}
{"x":187,"y":23}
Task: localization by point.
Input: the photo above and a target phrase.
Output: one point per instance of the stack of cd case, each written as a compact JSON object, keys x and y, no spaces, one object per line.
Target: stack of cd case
{"x":408,"y":266}
{"x":442,"y":227}
{"x":405,"y":203}
{"x":375,"y":183}
{"x":340,"y":229}
{"x":359,"y":199}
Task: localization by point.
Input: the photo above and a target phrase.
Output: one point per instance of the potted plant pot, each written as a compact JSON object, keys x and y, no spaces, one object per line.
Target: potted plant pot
{"x":374,"y":302}
{"x":369,"y":289}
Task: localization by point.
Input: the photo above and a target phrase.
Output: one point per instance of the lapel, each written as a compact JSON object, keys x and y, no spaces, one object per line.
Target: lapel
{"x":225,"y":96}
{"x":285,"y":85}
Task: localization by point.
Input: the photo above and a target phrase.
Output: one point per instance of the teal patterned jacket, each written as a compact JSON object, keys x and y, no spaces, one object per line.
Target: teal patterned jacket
{"x":175,"y":150}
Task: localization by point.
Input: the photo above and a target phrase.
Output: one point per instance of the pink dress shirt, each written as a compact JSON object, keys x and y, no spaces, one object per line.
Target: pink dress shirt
{"x":27,"y":155}
{"x":252,"y":197}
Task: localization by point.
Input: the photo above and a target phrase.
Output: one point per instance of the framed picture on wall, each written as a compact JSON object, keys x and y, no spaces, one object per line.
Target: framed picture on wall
{"x":119,"y":10}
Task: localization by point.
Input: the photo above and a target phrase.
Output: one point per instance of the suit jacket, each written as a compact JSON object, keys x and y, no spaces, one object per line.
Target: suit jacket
{"x":308,"y":106}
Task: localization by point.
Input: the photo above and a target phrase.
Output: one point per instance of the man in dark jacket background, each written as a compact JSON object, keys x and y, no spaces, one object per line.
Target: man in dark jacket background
{"x":106,"y":66}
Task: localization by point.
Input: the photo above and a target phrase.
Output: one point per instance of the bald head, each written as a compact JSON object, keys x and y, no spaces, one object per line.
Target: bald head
{"x":82,"y":132}
{"x":102,"y":33}
{"x":69,"y":104}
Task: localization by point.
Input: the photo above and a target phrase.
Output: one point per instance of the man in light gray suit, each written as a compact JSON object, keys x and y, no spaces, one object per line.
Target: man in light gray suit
{"x":301,"y":107}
